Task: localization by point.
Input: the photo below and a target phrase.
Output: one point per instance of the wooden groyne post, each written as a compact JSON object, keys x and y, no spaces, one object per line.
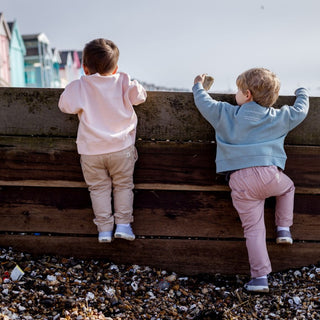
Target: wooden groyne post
{"x":184,"y":218}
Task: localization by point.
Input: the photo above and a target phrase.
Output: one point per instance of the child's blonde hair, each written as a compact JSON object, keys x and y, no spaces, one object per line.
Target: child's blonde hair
{"x":263,"y":84}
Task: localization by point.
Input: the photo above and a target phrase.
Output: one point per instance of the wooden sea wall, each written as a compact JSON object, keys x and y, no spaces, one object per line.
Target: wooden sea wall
{"x":184,"y":218}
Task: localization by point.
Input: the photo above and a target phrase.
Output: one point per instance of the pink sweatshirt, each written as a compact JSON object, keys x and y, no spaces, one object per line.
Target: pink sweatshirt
{"x":104,"y":104}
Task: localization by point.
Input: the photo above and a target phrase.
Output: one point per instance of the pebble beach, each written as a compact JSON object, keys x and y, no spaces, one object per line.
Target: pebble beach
{"x":52,"y":287}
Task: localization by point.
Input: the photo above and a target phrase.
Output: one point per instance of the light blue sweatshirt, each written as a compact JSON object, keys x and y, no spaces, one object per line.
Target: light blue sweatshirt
{"x":250,"y":135}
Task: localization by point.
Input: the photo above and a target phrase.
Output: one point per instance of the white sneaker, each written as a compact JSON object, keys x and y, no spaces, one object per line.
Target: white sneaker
{"x":105,"y":236}
{"x":124,"y":232}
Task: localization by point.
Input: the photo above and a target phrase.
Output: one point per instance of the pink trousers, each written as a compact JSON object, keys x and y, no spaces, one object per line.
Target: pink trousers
{"x":250,"y":187}
{"x":108,"y":175}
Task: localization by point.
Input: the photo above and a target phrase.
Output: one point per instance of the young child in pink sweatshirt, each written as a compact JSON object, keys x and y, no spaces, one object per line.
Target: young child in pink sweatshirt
{"x":103,"y":99}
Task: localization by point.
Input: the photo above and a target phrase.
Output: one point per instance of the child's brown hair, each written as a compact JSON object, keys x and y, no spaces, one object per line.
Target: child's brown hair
{"x":100,"y":55}
{"x":263,"y":84}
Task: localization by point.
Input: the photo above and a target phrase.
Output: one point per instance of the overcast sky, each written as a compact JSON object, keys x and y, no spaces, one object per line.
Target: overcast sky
{"x":169,"y":42}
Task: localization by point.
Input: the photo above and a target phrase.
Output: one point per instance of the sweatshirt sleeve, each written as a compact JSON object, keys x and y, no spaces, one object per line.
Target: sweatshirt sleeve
{"x":210,"y":109}
{"x":134,"y":91}
{"x":69,"y":95}
{"x":300,"y":108}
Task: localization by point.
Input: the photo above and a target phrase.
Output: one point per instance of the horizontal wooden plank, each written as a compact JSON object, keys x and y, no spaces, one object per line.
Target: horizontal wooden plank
{"x":57,"y":159}
{"x":139,"y":186}
{"x":35,"y":158}
{"x":165,"y":116}
{"x":181,"y":166}
{"x":156,"y":213}
{"x":185,"y":257}
{"x":25,"y":111}
{"x":44,"y":183}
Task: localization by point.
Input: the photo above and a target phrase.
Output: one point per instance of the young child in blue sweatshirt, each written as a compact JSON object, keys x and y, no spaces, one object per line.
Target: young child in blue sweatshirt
{"x":250,"y":151}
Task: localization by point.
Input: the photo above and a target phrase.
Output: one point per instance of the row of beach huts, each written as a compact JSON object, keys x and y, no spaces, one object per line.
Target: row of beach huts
{"x":28,"y":60}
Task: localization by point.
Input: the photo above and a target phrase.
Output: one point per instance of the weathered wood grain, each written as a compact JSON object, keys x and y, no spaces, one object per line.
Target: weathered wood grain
{"x":184,"y":218}
{"x":186,"y":257}
{"x":156,"y":213}
{"x":164,"y":116}
{"x":190,"y":163}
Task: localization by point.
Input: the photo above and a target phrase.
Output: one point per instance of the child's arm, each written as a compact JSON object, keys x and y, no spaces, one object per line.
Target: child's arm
{"x":67,"y":102}
{"x":133,"y":91}
{"x":202,"y":100}
{"x":208,"y":107}
{"x":136,"y":93}
{"x":299,"y":111}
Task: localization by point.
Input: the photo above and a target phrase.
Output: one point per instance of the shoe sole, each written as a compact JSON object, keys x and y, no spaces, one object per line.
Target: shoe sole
{"x":257,"y":289}
{"x":284,"y":240}
{"x":120,"y":235}
{"x":104,"y":240}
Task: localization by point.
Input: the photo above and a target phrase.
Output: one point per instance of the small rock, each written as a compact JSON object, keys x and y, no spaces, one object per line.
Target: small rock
{"x":297,"y":300}
{"x":51,"y":278}
{"x":164,"y":285}
{"x":297,"y":274}
{"x":134,"y":286}
{"x":204,"y":290}
{"x":171,"y":278}
{"x":90,"y":296}
{"x":5,"y":291}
